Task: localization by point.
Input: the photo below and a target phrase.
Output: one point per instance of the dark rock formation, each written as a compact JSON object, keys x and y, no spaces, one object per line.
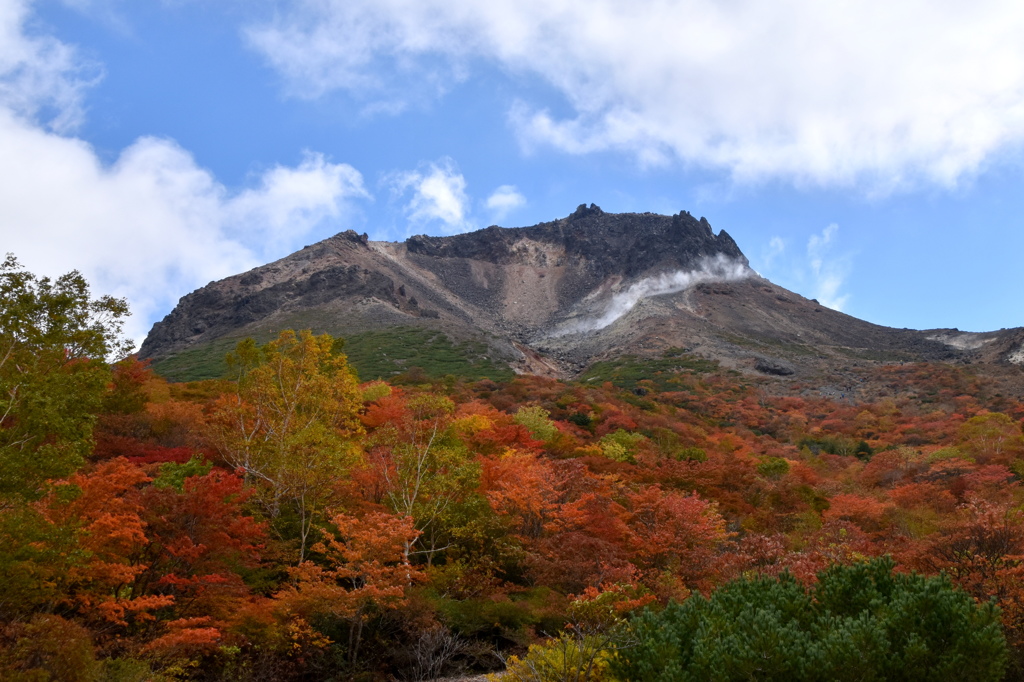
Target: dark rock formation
{"x":770,"y":366}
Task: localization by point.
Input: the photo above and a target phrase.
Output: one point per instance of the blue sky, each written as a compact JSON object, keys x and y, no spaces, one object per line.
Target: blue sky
{"x":866,"y":154}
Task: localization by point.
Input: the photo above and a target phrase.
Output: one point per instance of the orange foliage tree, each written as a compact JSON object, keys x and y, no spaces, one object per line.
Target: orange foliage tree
{"x":364,"y":572}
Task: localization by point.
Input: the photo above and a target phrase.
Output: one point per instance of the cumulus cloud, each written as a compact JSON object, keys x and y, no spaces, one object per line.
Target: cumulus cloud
{"x":882,"y":94}
{"x":290,"y":202}
{"x":718,"y":269}
{"x":827,"y":271}
{"x":151,"y":226}
{"x":504,"y":200}
{"x":438,"y":195}
{"x":154,"y":225}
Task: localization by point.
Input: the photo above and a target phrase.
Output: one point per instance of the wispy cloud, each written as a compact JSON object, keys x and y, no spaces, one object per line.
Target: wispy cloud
{"x":775,"y":248}
{"x":828,"y":271}
{"x":41,"y":78}
{"x":879,"y":95}
{"x":819,"y":271}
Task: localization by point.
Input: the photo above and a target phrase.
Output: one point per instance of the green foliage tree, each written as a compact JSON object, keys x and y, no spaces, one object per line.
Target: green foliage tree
{"x":537,"y":421}
{"x":621,"y":445}
{"x":54,"y":342}
{"x":860,"y":622}
{"x":773,"y":468}
{"x":691,"y":454}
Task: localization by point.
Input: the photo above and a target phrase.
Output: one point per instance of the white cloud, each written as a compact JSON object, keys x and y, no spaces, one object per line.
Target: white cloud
{"x":504,"y":200}
{"x":289,"y":202}
{"x":153,"y":225}
{"x":438,"y":195}
{"x":828,"y":272}
{"x":881,"y":94}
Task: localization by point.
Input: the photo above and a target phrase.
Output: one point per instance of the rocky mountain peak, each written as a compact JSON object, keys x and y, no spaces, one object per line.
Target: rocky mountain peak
{"x":519,"y":281}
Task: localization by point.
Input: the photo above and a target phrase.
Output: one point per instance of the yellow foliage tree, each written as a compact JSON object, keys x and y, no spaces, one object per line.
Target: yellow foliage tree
{"x":292,"y":427}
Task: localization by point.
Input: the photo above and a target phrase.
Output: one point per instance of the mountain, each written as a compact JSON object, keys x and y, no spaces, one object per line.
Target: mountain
{"x":549,"y":299}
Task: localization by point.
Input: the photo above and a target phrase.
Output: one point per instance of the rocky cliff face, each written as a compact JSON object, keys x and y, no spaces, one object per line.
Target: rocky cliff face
{"x":554,"y":297}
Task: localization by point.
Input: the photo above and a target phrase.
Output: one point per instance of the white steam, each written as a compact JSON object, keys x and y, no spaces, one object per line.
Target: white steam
{"x":717,"y":269}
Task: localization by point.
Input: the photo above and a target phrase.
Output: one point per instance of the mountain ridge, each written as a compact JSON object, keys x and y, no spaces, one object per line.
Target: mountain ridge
{"x":555,"y":297}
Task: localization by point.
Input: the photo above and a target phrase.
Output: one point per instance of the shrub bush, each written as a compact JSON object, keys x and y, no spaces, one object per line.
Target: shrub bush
{"x":860,"y":622}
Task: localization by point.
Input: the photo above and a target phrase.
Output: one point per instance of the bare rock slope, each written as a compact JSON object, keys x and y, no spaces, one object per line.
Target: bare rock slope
{"x":555,"y":297}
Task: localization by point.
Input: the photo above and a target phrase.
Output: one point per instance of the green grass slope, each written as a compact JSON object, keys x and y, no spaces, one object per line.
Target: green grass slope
{"x":382,"y":354}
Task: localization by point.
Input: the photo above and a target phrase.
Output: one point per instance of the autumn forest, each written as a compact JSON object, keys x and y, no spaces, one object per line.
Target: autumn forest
{"x":663,"y":520}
